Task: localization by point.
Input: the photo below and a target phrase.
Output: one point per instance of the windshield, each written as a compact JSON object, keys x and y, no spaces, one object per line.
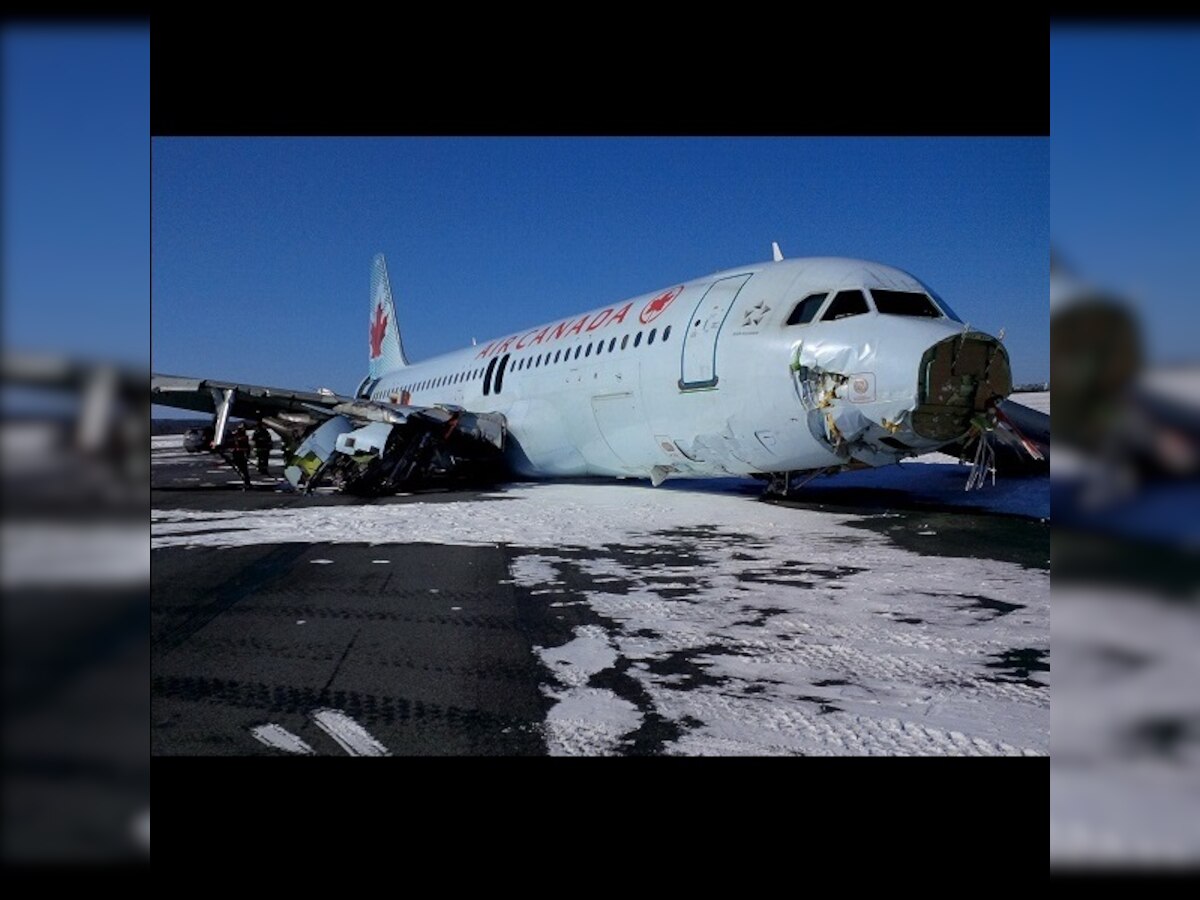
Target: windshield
{"x":944,"y":305}
{"x":904,"y":303}
{"x":845,"y":304}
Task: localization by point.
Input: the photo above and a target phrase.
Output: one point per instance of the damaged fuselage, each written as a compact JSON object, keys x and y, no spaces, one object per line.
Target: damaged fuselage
{"x":768,"y":369}
{"x":776,"y":367}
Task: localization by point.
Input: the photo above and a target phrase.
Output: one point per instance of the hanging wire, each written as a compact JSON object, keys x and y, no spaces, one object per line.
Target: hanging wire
{"x":984,"y":462}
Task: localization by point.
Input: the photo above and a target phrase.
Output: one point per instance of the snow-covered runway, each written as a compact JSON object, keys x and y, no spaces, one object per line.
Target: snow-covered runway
{"x":696,"y":618}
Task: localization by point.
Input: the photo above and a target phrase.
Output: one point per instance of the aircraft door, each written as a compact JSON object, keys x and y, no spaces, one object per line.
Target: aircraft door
{"x":699,"y":363}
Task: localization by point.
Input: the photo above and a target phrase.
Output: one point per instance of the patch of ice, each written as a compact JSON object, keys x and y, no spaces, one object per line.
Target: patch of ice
{"x":589,"y":722}
{"x":585,"y":720}
{"x":532,"y":570}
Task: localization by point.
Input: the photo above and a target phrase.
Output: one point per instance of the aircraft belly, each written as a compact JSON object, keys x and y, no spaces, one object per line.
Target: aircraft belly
{"x":541,"y":443}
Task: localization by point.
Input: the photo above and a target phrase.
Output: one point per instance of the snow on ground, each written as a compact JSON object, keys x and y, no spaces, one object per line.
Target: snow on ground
{"x":749,"y":628}
{"x":166,"y":442}
{"x":1039,"y":400}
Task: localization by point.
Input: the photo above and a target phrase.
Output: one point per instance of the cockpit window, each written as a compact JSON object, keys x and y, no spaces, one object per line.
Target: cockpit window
{"x":807,"y":308}
{"x":945,"y":306}
{"x":904,"y":303}
{"x":845,"y":304}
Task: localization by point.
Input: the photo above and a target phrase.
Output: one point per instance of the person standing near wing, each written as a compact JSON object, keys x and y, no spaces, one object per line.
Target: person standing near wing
{"x":262,"y":447}
{"x":236,"y":452}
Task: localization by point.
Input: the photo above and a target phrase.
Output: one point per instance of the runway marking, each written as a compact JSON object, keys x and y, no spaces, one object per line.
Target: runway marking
{"x":320,"y":562}
{"x":381,"y":562}
{"x":280,"y":738}
{"x":350,"y":736}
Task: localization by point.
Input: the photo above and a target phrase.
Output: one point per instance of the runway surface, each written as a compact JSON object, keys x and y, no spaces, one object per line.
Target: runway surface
{"x":599,"y":617}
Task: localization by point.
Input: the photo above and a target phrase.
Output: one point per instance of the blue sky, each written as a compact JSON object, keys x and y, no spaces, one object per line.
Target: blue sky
{"x":76,"y":190}
{"x":261,"y":247}
{"x":1125,"y":169}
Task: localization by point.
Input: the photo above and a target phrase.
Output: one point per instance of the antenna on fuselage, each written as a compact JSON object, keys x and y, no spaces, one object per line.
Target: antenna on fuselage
{"x":776,"y":253}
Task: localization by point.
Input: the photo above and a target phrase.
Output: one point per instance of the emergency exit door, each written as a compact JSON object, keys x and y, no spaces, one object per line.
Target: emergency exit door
{"x":699,"y":365}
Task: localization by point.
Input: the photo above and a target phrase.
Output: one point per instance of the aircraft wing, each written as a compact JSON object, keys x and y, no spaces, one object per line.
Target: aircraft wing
{"x":364,"y":446}
{"x":249,"y":401}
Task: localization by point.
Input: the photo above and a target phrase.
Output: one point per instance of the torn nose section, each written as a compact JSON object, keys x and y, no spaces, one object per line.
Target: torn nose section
{"x":961,"y":378}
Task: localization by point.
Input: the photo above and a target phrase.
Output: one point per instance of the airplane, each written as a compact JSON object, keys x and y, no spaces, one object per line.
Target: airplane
{"x":766,"y":370}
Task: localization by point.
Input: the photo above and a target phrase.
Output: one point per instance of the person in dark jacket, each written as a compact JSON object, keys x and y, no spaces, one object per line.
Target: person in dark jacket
{"x":236,"y":451}
{"x":262,"y":447}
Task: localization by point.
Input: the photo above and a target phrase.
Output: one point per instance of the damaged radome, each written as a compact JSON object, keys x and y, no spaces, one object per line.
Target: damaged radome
{"x":952,"y":403}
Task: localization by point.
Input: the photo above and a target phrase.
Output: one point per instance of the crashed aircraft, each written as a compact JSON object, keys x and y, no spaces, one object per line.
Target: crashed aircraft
{"x":772,"y":370}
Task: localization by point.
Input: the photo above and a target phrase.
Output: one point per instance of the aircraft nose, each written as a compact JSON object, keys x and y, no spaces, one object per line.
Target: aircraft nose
{"x":959,"y":378}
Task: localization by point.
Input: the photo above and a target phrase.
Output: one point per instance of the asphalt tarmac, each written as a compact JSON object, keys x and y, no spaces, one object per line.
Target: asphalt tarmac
{"x":439,"y":648}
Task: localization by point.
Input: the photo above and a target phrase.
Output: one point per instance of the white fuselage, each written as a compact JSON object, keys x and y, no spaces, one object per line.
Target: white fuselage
{"x":703,"y":378}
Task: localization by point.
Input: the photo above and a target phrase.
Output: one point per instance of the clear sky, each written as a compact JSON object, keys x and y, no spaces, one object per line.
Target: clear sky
{"x":76,"y":190}
{"x":262,"y":247}
{"x":1125,"y":164}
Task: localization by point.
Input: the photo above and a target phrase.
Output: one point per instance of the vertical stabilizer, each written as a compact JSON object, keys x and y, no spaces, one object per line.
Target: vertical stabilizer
{"x":384,"y":345}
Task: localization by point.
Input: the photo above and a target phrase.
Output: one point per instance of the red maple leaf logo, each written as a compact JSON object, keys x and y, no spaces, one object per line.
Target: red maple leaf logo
{"x":378,"y":328}
{"x":658,"y":305}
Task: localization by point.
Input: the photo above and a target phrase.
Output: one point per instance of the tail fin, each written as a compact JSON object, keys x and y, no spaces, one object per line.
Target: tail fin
{"x":385,"y":347}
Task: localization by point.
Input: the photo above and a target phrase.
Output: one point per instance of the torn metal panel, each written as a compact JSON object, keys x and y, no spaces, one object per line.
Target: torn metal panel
{"x":315,"y":451}
{"x":368,"y":439}
{"x":430,"y":444}
{"x":372,"y":411}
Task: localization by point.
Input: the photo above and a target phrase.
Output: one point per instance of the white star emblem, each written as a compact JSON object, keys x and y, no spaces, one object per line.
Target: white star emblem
{"x":755,"y":314}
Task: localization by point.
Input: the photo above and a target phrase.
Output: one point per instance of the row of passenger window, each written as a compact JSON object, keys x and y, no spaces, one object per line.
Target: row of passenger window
{"x":597,"y":347}
{"x":542,"y":359}
{"x":854,"y":303}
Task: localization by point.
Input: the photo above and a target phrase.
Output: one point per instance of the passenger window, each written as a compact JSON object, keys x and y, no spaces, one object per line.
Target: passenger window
{"x":578,"y":350}
{"x":650,"y":340}
{"x":624,"y":342}
{"x":556,"y":355}
{"x":666,"y":333}
{"x":612,"y":344}
{"x":807,"y":308}
{"x":846,"y":304}
{"x":588,"y":352}
{"x":637,"y":339}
